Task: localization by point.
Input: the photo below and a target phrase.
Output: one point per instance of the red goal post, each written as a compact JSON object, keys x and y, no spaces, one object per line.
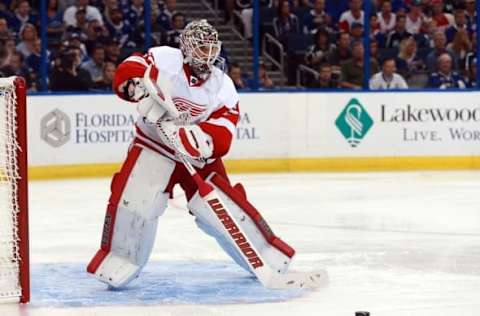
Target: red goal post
{"x":14,"y":243}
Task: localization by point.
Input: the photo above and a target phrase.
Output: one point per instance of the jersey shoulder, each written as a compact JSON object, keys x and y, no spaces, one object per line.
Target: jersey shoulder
{"x":167,"y":58}
{"x":228,"y":93}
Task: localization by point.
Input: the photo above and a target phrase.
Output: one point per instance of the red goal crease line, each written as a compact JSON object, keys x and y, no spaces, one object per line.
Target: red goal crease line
{"x":330,"y":164}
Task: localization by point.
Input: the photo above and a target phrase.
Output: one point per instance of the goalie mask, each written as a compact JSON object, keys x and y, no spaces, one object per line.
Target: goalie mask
{"x":200,"y":47}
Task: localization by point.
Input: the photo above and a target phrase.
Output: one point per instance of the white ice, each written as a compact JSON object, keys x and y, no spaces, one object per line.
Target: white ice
{"x":392,"y":243}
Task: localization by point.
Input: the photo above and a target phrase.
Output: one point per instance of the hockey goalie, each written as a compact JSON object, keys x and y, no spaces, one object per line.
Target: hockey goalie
{"x":188,"y":109}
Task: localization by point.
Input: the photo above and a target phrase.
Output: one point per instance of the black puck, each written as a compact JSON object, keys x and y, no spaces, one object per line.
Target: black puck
{"x":362,"y":313}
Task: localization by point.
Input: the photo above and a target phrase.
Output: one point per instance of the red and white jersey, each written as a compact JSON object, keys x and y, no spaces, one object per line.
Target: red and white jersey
{"x":212,"y":104}
{"x":347,"y":19}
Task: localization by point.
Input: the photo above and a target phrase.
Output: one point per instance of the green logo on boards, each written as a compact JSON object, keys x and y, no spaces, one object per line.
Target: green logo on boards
{"x":354,"y":122}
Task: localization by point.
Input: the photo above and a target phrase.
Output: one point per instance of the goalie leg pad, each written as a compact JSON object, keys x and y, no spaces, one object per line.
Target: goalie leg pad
{"x":239,"y":229}
{"x":224,"y":242}
{"x":136,"y":202}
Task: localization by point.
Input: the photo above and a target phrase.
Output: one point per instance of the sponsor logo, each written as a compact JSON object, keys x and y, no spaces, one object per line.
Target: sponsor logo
{"x":235,"y":233}
{"x":55,"y":128}
{"x":107,"y":226}
{"x":354,"y":122}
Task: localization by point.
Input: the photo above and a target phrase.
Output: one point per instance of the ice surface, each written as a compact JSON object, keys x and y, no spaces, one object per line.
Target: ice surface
{"x":392,"y":243}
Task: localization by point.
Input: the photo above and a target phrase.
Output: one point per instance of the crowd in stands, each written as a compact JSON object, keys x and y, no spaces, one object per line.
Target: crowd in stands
{"x":412,"y":43}
{"x":86,"y":39}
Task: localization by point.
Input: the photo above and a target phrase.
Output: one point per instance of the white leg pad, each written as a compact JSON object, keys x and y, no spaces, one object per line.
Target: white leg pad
{"x":142,"y":202}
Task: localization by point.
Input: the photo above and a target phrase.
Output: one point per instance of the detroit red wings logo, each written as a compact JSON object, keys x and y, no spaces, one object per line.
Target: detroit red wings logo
{"x":184,"y":105}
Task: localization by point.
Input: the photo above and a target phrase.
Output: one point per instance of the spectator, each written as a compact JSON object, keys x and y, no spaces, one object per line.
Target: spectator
{"x":5,"y":33}
{"x":460,"y":23}
{"x":81,"y":22}
{"x":265,"y":81}
{"x":22,"y":16}
{"x":374,"y":49}
{"x":440,"y":41}
{"x":356,"y":32}
{"x":7,"y":50}
{"x":355,"y":14}
{"x":15,"y":67}
{"x":472,"y":74}
{"x":471,"y":14}
{"x":285,"y":23}
{"x":135,"y":13}
{"x":396,"y":36}
{"x":96,"y":33}
{"x":106,"y":80}
{"x":117,"y":27}
{"x":69,"y":77}
{"x":55,"y":25}
{"x":76,"y":40}
{"x":28,"y":36}
{"x":112,"y":51}
{"x":442,"y":20}
{"x":92,"y":13}
{"x":164,"y":19}
{"x":33,"y":61}
{"x":246,"y":13}
{"x":471,"y":55}
{"x":352,"y":69}
{"x":460,"y":47}
{"x":386,"y":19}
{"x":236,"y":75}
{"x":342,"y":52}
{"x":94,"y":66}
{"x":388,"y":78}
{"x":415,"y":17}
{"x":445,"y":78}
{"x":317,"y":18}
{"x":408,"y":62}
{"x":178,"y":24}
{"x":374,"y":26}
{"x":319,"y":52}
{"x":325,"y":79}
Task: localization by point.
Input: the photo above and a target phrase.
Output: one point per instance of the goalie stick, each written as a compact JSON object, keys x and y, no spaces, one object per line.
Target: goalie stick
{"x":269,"y":277}
{"x":266,"y":274}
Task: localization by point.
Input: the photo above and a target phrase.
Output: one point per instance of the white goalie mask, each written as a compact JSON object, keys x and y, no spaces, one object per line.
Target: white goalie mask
{"x":200,"y":47}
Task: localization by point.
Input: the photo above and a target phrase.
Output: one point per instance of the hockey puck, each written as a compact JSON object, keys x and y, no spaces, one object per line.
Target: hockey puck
{"x":362,"y":313}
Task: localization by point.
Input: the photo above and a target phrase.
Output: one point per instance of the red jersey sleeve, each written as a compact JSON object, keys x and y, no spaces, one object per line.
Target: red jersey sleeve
{"x":221,"y":126}
{"x":132,"y":67}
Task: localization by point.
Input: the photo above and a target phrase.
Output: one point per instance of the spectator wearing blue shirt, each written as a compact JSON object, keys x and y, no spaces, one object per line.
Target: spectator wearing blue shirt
{"x":22,"y":16}
{"x":286,"y":22}
{"x":399,"y":33}
{"x":118,"y":27}
{"x":460,"y":23}
{"x":55,"y":25}
{"x":439,"y":42}
{"x":134,"y":13}
{"x":317,"y":18}
{"x":239,"y":80}
{"x":164,"y":19}
{"x":33,"y":61}
{"x":445,"y":78}
{"x":173,"y":36}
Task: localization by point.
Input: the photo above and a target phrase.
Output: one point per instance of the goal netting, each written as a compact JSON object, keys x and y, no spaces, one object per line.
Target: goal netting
{"x":13,"y":195}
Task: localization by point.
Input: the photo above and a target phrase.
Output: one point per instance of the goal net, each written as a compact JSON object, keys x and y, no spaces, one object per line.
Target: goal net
{"x":14,"y":280}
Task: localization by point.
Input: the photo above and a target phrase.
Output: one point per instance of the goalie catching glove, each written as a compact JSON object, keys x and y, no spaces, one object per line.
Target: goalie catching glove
{"x":188,"y":140}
